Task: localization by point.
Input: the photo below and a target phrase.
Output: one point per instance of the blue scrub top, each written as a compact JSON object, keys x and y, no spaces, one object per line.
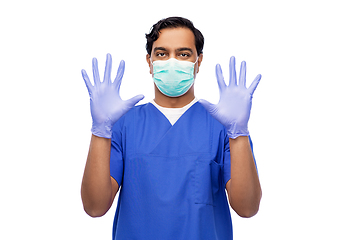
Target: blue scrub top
{"x":172,"y":178}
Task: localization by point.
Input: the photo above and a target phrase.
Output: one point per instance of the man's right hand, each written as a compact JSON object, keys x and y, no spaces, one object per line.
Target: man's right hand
{"x":105,"y":102}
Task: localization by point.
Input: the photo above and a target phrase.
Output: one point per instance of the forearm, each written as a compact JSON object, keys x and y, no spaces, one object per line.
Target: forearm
{"x":244,"y":187}
{"x":96,"y":189}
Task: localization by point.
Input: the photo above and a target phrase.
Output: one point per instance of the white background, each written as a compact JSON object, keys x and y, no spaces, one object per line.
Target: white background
{"x":304,"y":122}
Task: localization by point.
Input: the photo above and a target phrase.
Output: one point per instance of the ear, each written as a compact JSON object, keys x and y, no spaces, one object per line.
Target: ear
{"x":199,"y":62}
{"x":149,"y":63}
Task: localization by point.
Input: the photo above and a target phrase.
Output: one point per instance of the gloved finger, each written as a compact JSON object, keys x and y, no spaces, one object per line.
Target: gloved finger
{"x":242,"y":78}
{"x":220,"y":77}
{"x":254,"y":84}
{"x":211,"y":108}
{"x":232,"y":81}
{"x":107,"y":74}
{"x":86,"y":78}
{"x":134,"y":100}
{"x":119,"y":74}
{"x":95,"y":72}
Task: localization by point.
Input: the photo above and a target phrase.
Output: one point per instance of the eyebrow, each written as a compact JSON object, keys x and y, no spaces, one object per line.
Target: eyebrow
{"x":184,"y":49}
{"x":177,"y":50}
{"x":159,"y":48}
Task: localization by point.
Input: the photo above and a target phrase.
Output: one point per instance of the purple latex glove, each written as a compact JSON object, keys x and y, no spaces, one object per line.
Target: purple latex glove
{"x":106,"y":104}
{"x":233,"y":109}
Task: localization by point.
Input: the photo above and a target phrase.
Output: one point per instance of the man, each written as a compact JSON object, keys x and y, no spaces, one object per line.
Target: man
{"x":171,"y":158}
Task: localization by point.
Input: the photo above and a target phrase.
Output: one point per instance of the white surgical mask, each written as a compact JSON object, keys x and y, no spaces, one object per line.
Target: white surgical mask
{"x":173,"y":77}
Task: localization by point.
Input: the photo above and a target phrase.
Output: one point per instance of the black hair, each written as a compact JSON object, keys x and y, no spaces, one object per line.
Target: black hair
{"x":174,"y":22}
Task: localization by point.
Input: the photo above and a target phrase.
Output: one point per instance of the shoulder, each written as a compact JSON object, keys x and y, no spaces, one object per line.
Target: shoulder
{"x":199,"y":121}
{"x":201,"y":110}
{"x":138,"y":111}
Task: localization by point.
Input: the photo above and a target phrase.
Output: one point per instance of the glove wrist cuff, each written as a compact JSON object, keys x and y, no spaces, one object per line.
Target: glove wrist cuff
{"x":235,"y":135}
{"x":103,"y":130}
{"x":235,"y":131}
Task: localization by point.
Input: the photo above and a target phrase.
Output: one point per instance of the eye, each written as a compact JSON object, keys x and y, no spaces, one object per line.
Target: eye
{"x":184,"y":55}
{"x":160,"y":54}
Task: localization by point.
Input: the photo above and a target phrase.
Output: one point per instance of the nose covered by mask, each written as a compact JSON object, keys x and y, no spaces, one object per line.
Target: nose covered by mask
{"x":173,"y":77}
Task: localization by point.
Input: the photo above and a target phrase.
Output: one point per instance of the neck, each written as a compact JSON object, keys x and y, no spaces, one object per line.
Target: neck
{"x":174,"y":102}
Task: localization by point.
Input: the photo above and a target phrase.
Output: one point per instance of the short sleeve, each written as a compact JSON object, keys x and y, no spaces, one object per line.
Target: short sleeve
{"x":116,"y":155}
{"x":227,"y":162}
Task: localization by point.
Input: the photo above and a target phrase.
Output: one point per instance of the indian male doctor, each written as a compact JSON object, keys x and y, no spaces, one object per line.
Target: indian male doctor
{"x":171,"y":159}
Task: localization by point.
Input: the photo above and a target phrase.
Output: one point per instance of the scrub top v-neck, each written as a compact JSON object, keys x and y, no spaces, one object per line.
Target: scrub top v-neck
{"x":172,"y":177}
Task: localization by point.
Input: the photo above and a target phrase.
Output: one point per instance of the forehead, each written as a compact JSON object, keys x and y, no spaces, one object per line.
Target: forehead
{"x":174,"y":38}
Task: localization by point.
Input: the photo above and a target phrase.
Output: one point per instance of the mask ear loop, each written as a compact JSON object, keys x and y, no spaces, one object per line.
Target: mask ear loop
{"x":196,"y":60}
{"x":151,"y":64}
{"x":194,"y":74}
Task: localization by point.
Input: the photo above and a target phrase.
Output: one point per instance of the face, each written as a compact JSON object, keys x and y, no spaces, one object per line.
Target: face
{"x":178,"y":43}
